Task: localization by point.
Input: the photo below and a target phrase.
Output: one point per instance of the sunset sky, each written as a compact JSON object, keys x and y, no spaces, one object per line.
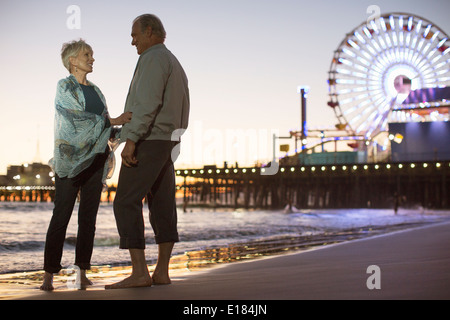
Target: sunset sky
{"x":244,"y":60}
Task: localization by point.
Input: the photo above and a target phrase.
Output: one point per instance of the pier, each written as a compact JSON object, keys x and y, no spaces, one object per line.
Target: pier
{"x":27,"y":182}
{"x":291,"y":187}
{"x":27,"y":193}
{"x":370,"y":185}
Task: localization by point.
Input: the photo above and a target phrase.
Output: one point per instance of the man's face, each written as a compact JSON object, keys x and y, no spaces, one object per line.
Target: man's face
{"x":140,"y":39}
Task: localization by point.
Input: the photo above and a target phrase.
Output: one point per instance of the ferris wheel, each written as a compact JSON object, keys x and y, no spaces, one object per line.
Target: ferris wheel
{"x":378,"y":64}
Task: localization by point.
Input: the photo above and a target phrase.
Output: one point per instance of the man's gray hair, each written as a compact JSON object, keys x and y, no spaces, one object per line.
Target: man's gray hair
{"x":150,"y":20}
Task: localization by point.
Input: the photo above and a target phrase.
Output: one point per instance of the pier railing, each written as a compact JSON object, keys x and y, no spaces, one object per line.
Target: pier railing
{"x":27,"y":193}
{"x":373,"y":185}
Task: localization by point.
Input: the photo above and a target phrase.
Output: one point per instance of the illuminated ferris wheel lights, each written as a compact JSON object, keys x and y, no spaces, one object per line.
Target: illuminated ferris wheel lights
{"x":359,"y":89}
{"x":366,"y":111}
{"x":388,"y":40}
{"x":408,"y":39}
{"x":432,"y":52}
{"x":377,"y":47}
{"x":374,"y":26}
{"x":345,"y":81}
{"x":359,"y":74}
{"x":421,"y":66}
{"x":343,"y":71}
{"x":443,"y":49}
{"x":391,"y":25}
{"x":419,"y":47}
{"x":360,"y":67}
{"x":360,"y":38}
{"x":362,"y":96}
{"x":427,"y":30}
{"x":344,"y":91}
{"x":410,"y":21}
{"x":427,"y":47}
{"x":368,"y":56}
{"x":400,"y":22}
{"x":383,"y":44}
{"x":414,"y":41}
{"x":441,"y":42}
{"x":434,"y":36}
{"x":345,"y":61}
{"x":367,"y":32}
{"x":349,"y":52}
{"x":355,"y":119}
{"x":419,"y":26}
{"x":377,"y":69}
{"x":347,"y":100}
{"x":377,"y":98}
{"x":383,"y":24}
{"x":372,"y":51}
{"x":440,"y":65}
{"x":379,"y":101}
{"x":394,"y":39}
{"x":400,"y":38}
{"x":373,"y":57}
{"x":385,"y":61}
{"x":353,"y":44}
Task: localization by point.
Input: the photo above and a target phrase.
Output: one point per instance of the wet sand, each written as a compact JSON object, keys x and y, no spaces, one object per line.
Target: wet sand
{"x":413,"y":264}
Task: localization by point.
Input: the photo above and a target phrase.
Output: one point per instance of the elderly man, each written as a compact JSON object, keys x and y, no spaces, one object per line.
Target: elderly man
{"x":159,"y":100}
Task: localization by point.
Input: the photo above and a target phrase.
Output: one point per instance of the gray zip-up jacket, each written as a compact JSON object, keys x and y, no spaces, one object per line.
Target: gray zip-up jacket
{"x":158,"y":97}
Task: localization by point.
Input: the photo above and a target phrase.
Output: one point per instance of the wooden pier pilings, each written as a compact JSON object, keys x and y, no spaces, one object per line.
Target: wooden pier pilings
{"x":372,"y":185}
{"x":27,"y":193}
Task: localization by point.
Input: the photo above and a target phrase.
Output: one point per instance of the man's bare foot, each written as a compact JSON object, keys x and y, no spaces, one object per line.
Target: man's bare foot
{"x":161,"y":278}
{"x":132,"y":282}
{"x":47,"y":285}
{"x":161,"y":273}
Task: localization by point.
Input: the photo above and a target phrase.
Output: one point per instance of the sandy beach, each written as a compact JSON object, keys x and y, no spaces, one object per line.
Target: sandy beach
{"x":410,"y":264}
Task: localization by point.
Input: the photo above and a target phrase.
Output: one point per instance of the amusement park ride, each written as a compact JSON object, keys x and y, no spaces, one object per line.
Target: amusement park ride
{"x":394,"y":69}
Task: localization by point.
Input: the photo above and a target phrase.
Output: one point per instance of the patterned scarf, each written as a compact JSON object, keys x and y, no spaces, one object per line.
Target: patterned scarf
{"x":80,"y":135}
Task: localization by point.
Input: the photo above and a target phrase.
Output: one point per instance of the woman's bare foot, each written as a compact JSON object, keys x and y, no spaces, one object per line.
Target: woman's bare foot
{"x":84,"y":281}
{"x":132,"y":282}
{"x":47,"y":285}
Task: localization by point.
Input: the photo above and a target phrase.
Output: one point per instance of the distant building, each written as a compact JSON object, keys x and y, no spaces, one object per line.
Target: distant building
{"x":27,"y":182}
{"x":33,"y":174}
{"x":420,"y":141}
{"x":5,"y":181}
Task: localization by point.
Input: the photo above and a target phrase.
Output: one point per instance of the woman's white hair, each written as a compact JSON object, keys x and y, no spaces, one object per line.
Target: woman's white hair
{"x":150,"y":20}
{"x":71,"y":49}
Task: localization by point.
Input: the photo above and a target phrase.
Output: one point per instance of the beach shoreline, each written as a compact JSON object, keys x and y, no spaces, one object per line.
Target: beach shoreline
{"x":24,"y":285}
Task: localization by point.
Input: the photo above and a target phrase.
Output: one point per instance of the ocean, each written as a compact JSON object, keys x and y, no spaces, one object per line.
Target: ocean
{"x":23,"y":227}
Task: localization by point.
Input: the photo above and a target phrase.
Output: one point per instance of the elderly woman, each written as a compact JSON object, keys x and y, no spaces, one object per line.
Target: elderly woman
{"x":83,"y":129}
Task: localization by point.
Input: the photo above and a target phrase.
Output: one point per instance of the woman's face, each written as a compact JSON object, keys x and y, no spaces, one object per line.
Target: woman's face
{"x":83,"y":62}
